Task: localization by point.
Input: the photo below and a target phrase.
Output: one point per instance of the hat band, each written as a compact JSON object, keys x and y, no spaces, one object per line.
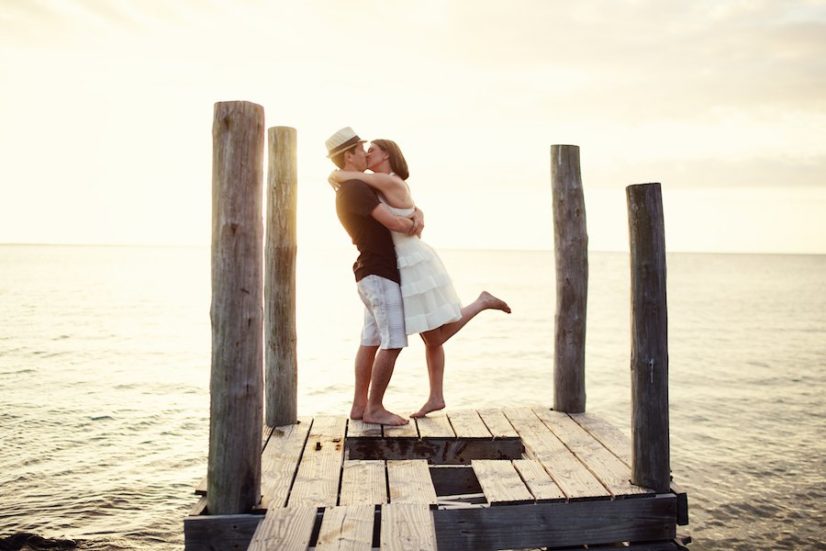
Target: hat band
{"x":355,"y":140}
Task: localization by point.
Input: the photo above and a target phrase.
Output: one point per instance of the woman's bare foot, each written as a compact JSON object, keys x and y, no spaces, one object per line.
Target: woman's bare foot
{"x":430,"y":405}
{"x":493,"y":303}
{"x":383,"y":417}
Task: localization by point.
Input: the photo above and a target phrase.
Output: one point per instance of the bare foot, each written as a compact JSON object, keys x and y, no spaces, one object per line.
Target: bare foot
{"x":430,"y":405}
{"x":383,"y":417}
{"x":356,"y":413}
{"x":493,"y":303}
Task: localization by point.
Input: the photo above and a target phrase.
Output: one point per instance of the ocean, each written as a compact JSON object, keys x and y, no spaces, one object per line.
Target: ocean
{"x":105,"y":360}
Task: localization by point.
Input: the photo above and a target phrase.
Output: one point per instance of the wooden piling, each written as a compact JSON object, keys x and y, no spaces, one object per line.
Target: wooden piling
{"x":571,"y":248}
{"x":236,"y":411}
{"x":650,"y":465}
{"x":281,"y":373}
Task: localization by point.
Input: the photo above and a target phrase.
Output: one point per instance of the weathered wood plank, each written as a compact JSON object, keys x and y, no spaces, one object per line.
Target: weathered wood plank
{"x":218,"y":532}
{"x":410,"y":430}
{"x":565,"y":469}
{"x":410,"y":482}
{"x":316,"y":482}
{"x":363,"y":482}
{"x":284,"y":528}
{"x":612,"y":472}
{"x":500,"y":482}
{"x":346,"y":529}
{"x":407,"y":527}
{"x":435,"y":427}
{"x":468,"y":424}
{"x":610,"y":436}
{"x":279,"y":461}
{"x":557,"y":524}
{"x":357,"y":428}
{"x":497,"y":423}
{"x":538,"y":480}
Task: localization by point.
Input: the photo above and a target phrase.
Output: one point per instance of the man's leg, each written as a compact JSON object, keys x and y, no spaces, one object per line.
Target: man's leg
{"x":364,"y":370}
{"x":435,"y":355}
{"x":382,"y":372}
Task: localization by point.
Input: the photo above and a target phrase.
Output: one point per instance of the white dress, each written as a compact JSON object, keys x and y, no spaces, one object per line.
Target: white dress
{"x":429,"y":298}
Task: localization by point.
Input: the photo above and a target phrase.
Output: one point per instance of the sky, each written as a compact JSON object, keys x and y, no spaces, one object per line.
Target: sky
{"x":106,"y":112}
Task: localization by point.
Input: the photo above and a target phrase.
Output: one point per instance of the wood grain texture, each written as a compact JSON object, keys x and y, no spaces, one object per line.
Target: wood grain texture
{"x":410,"y":430}
{"x":281,"y":364}
{"x":650,"y":448}
{"x":571,"y":254}
{"x":610,"y":436}
{"x":359,"y":429}
{"x":236,"y":311}
{"x":611,"y":472}
{"x":363,"y":482}
{"x":214,"y":532}
{"x":407,"y":527}
{"x":409,"y":482}
{"x":279,"y":462}
{"x":436,"y":426}
{"x":497,"y":423}
{"x":284,"y":528}
{"x":316,"y":482}
{"x":346,"y":529}
{"x":501,"y":482}
{"x":538,"y":481}
{"x":468,"y":424}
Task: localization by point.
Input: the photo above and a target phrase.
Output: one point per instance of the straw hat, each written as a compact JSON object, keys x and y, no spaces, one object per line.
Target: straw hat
{"x":342,"y":140}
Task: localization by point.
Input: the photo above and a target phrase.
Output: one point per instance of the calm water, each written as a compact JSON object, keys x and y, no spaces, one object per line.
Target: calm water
{"x":104,"y":373}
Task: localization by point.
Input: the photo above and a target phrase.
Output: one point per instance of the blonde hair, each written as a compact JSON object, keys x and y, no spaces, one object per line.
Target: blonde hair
{"x":397,"y":162}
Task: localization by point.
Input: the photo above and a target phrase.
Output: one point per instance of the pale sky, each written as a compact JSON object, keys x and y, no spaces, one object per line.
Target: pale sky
{"x":106,"y":113}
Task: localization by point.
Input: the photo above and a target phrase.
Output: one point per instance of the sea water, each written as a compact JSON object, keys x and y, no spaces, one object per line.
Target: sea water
{"x":105,"y":359}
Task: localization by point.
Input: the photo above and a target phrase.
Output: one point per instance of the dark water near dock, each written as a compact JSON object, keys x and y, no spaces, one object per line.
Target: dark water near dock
{"x":104,"y":372}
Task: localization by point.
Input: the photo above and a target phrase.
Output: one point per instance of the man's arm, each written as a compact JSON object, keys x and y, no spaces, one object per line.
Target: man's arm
{"x":401,"y":224}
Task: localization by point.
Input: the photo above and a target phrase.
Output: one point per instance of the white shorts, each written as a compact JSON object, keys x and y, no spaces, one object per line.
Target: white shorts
{"x":383,"y":313}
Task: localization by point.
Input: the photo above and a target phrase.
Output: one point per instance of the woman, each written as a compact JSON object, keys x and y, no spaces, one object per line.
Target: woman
{"x":431,"y":305}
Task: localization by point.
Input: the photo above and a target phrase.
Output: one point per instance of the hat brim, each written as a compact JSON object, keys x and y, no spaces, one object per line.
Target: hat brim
{"x":349,"y":144}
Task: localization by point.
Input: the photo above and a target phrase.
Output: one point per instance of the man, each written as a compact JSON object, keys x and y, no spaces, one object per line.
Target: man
{"x":369,"y":222}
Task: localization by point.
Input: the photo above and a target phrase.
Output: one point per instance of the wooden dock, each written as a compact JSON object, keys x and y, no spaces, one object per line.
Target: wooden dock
{"x":487,"y":479}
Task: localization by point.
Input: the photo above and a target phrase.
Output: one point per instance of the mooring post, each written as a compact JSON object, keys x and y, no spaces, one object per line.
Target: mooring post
{"x":236,"y":409}
{"x":650,"y":460}
{"x":571,"y":249}
{"x":281,"y":373}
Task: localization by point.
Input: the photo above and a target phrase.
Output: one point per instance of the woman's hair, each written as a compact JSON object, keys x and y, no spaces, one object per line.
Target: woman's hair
{"x":397,"y":163}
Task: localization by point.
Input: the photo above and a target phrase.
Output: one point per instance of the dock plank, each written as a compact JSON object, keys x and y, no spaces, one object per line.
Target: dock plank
{"x":346,"y":529}
{"x":435,"y":427}
{"x":538,"y":480}
{"x":401,"y":431}
{"x":569,"y":473}
{"x":497,"y":423}
{"x":613,"y":473}
{"x":610,"y":436}
{"x":279,"y":461}
{"x":409,"y":482}
{"x":500,"y":482}
{"x":407,"y":527}
{"x":468,"y":424}
{"x":362,"y":482}
{"x":287,"y":528}
{"x":359,"y":429}
{"x":316,"y":482}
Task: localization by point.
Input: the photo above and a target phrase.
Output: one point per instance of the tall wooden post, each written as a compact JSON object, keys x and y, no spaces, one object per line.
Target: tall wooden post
{"x":650,"y":462}
{"x":279,"y":296}
{"x":236,"y":411}
{"x":571,"y":248}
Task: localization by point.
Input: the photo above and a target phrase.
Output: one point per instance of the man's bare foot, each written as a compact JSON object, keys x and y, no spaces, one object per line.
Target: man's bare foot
{"x":493,"y":303}
{"x":430,"y":405}
{"x":356,"y":412}
{"x":383,"y":417}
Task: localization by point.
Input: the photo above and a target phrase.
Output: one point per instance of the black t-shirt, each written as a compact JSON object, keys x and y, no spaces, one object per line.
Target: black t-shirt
{"x":355,"y":200}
